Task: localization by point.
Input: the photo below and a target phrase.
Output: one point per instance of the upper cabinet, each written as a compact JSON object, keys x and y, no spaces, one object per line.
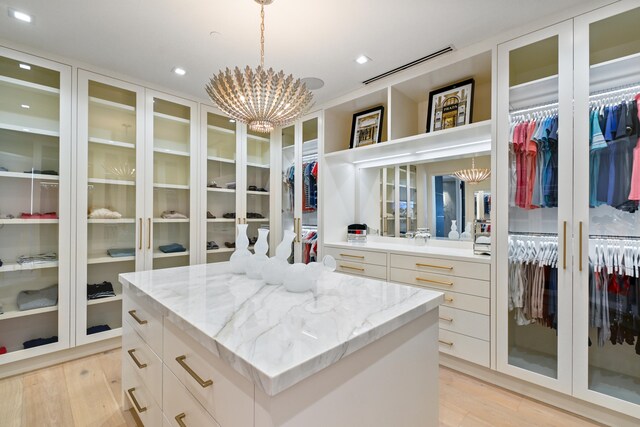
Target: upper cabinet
{"x":35,"y":207}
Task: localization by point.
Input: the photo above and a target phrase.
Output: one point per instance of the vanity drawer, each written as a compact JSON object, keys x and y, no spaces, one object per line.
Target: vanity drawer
{"x":229,"y":396}
{"x":140,"y":398}
{"x":180,"y":407}
{"x":142,"y":360}
{"x":146,"y":321}
{"x":360,"y":269}
{"x":472,"y":270}
{"x":465,"y":322}
{"x":441,"y":282}
{"x":356,"y":255}
{"x":464,"y":347}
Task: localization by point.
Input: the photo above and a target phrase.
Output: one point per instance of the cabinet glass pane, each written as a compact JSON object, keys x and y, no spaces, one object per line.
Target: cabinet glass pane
{"x":288,"y":182}
{"x":309,"y":190}
{"x":403,"y":191}
{"x":221,"y":188}
{"x":29,"y":207}
{"x":258,"y":183}
{"x":387,"y":198}
{"x":171,"y":177}
{"x":533,"y":207}
{"x":412,"y":206}
{"x":614,"y":221}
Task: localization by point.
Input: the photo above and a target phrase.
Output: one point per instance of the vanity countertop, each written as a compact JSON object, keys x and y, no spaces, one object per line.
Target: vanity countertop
{"x":431,"y":249}
{"x":273,"y":337}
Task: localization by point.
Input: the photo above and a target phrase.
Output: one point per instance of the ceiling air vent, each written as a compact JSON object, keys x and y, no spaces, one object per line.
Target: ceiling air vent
{"x":409,"y":65}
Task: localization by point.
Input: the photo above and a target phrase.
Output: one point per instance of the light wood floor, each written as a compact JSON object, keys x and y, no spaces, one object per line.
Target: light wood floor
{"x":86,"y":393}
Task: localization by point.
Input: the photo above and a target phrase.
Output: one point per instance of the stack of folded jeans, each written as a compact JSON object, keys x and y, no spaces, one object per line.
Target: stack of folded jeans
{"x":37,"y":259}
{"x":121,"y":252}
{"x":98,"y":328}
{"x":39,"y":341}
{"x":100,"y":290}
{"x":172,"y":248}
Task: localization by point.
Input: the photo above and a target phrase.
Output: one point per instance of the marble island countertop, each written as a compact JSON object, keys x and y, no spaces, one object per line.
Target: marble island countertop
{"x":273,"y":337}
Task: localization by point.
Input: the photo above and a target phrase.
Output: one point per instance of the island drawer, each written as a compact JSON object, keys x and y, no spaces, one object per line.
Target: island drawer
{"x":465,"y":322}
{"x":181,"y":408}
{"x":441,"y":282}
{"x":143,"y":360}
{"x":473,"y":270}
{"x":464,"y":302}
{"x":357,"y":255}
{"x":146,"y":321}
{"x":360,"y":269}
{"x":464,"y":347}
{"x":228,"y":397}
{"x":140,"y":398}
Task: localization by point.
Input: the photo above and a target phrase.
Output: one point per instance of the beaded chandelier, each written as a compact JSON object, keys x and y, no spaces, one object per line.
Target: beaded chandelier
{"x":473,"y":175}
{"x":261,"y":99}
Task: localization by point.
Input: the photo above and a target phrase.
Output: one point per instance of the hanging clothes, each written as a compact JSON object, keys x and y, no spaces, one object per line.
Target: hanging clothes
{"x":309,"y":186}
{"x":310,"y":246}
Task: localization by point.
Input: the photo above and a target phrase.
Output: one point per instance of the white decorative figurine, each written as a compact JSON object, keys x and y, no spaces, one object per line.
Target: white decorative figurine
{"x":240,"y":257}
{"x":259,"y":258}
{"x":275,"y":267}
{"x":453,"y":234}
{"x":467,"y":232}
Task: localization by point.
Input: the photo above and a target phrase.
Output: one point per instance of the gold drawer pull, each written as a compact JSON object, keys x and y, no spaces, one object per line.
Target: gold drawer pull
{"x":353,"y":256}
{"x":135,"y":401}
{"x":449,"y":343}
{"x":132,"y":313}
{"x":448,"y":299}
{"x":179,"y":419}
{"x":203,"y":383}
{"x":135,"y":360}
{"x":442,"y":267}
{"x":351,"y":268}
{"x":446,"y":319}
{"x":438,"y":282}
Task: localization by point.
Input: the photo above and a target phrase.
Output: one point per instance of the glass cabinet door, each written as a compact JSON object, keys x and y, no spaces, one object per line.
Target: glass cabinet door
{"x":388,"y":198}
{"x":172,"y":177}
{"x":608,"y":234}
{"x":258,"y":185}
{"x":412,"y":200}
{"x":35,"y":152}
{"x":535,"y":141}
{"x":309,"y":183}
{"x":109,"y":146}
{"x":221,"y":169}
{"x":403,"y":190}
{"x":289,"y":156}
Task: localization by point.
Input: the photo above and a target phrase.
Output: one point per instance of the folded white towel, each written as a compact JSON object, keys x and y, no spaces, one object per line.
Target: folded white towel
{"x":104,"y":213}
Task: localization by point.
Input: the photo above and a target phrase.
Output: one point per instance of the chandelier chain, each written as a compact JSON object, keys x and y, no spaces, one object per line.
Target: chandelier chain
{"x":262,"y":35}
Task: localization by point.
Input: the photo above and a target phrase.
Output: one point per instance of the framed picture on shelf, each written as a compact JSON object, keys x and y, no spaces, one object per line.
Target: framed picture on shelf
{"x":366,"y":127}
{"x":450,"y":106}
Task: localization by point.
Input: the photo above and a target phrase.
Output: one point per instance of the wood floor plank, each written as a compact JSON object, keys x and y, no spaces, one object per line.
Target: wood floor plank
{"x":45,"y":399}
{"x":11,"y":401}
{"x":110,"y":363}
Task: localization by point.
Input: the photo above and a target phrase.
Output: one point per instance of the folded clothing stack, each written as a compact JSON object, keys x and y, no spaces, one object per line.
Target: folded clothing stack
{"x":98,"y":328}
{"x":29,"y":300}
{"x":38,"y":215}
{"x":172,"y":247}
{"x":212,"y":245}
{"x":100,"y":290}
{"x":40,"y":341}
{"x":104,"y":213}
{"x":42,"y":172}
{"x":173,"y":215}
{"x":38,"y":259}
{"x":121,"y":252}
{"x":231,"y":185}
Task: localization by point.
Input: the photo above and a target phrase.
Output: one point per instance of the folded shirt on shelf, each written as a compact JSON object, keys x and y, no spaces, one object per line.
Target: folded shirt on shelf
{"x":100,"y":290}
{"x":37,"y":259}
{"x":104,"y":213}
{"x":29,"y":300}
{"x":38,"y":215}
{"x":3,"y":350}
{"x":42,"y":172}
{"x":212,"y":245}
{"x":39,"y":341}
{"x":97,"y":328}
{"x":231,"y":185}
{"x":173,"y":215}
{"x":172,"y":248}
{"x":121,"y":252}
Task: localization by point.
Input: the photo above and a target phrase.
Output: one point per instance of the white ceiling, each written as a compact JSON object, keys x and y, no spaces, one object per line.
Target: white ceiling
{"x":145,"y":39}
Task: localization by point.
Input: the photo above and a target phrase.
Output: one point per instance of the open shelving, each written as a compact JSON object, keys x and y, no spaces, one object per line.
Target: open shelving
{"x":106,"y":300}
{"x":11,"y":311}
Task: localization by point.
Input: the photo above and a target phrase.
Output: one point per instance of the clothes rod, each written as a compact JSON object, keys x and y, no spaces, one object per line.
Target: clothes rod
{"x":524,"y":233}
{"x":612,"y":237}
{"x":534,"y":108}
{"x":618,"y":89}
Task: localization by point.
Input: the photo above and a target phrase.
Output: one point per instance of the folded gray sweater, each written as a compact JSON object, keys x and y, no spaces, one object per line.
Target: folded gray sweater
{"x":47,"y":297}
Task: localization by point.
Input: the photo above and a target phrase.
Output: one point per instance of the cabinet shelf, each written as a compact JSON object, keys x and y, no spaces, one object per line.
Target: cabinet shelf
{"x":257,"y":165}
{"x":34,"y":176}
{"x":220,"y":251}
{"x":257,"y":219}
{"x":26,"y":129}
{"x":221,"y":129}
{"x":34,"y":87}
{"x":169,"y":220}
{"x":464,"y":140}
{"x":20,"y":221}
{"x":172,"y":152}
{"x":110,"y":104}
{"x":105,"y":259}
{"x":171,"y":186}
{"x":171,"y":118}
{"x":11,"y":311}
{"x":220,"y":159}
{"x":258,"y":193}
{"x":111,"y":221}
{"x":221,"y":190}
{"x":109,"y":142}
{"x":257,"y":138}
{"x":14,"y":266}
{"x":221,"y":220}
{"x":118,"y":297}
{"x":110,"y":181}
{"x":158,"y":254}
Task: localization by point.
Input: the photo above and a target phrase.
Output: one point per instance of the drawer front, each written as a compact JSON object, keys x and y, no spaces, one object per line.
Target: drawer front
{"x":180,"y":408}
{"x":140,"y":398}
{"x":465,"y":322}
{"x":464,"y":347}
{"x":472,"y":270}
{"x":143,"y":360}
{"x":441,"y":282}
{"x":464,"y":302}
{"x":360,"y":269}
{"x":146,"y":321}
{"x":356,"y":255}
{"x":229,"y":397}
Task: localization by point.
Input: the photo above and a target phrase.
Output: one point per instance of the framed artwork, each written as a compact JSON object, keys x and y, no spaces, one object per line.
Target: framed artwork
{"x":450,"y":106}
{"x":366,"y":127}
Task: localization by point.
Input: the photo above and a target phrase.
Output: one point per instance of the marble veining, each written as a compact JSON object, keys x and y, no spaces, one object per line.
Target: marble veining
{"x":273,"y":337}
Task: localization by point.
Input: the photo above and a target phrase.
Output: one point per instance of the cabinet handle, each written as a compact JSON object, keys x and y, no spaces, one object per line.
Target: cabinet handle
{"x":140,"y":239}
{"x":135,"y":401}
{"x":448,"y":299}
{"x":438,"y":282}
{"x":353,"y":256}
{"x":442,"y":267}
{"x":135,"y":360}
{"x":564,"y":247}
{"x":446,"y":319}
{"x":351,"y":268}
{"x":132,"y":313}
{"x":179,"y":419}
{"x":149,"y":233}
{"x":203,"y":383}
{"x":580,"y":259}
{"x":449,"y":343}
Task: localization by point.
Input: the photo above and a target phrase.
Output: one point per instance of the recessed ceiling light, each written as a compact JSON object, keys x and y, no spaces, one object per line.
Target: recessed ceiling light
{"x":20,"y":16}
{"x":25,"y":106}
{"x":362,"y":59}
{"x":25,"y":66}
{"x":179,"y":71}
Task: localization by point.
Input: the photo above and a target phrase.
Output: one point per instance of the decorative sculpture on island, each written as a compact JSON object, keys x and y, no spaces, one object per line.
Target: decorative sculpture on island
{"x":240,"y":257}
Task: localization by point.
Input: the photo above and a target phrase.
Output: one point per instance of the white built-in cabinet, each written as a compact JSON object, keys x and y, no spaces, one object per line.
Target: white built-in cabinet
{"x":592,"y":61}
